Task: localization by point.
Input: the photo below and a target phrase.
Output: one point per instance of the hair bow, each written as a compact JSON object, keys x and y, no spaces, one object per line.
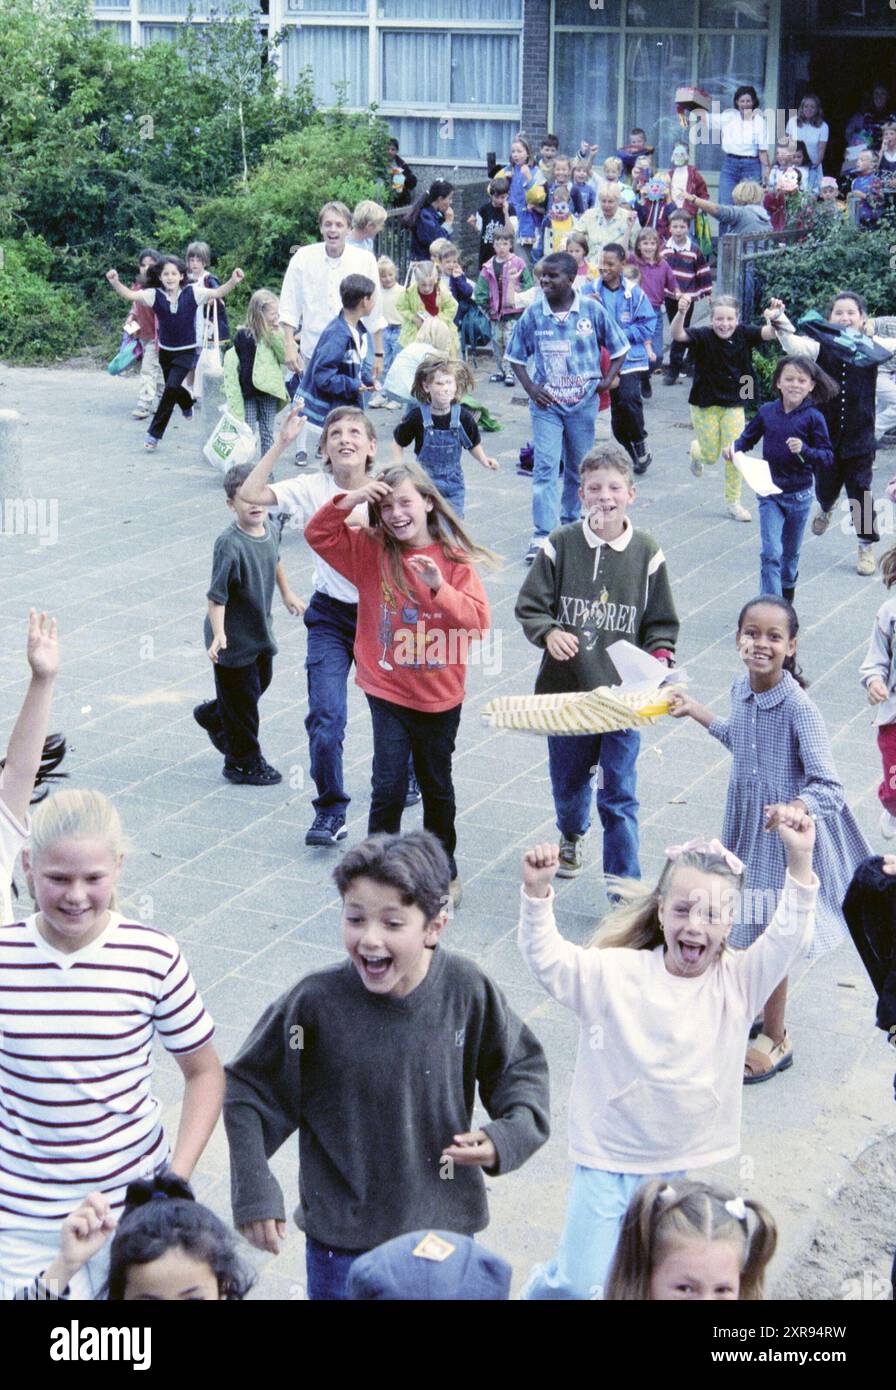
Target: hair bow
{"x":713,"y":847}
{"x":735,"y":1207}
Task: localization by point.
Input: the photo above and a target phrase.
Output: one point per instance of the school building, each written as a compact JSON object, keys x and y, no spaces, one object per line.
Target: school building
{"x":457,"y":79}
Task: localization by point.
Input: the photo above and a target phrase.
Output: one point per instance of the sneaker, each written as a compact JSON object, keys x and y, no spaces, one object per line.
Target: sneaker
{"x":887,"y":825}
{"x":140,"y":413}
{"x":150,"y":443}
{"x":642,"y":458}
{"x":737,"y":512}
{"x":866,"y":563}
{"x":670,"y":376}
{"x":206,"y":716}
{"x":496,"y":376}
{"x":376,"y":401}
{"x":696,"y":460}
{"x":820,"y":522}
{"x":188,"y":414}
{"x":327,"y":828}
{"x":533,"y":552}
{"x":455,"y":892}
{"x":256,"y":774}
{"x":413,"y":794}
{"x":390,"y":405}
{"x":509,"y":379}
{"x":571,"y":856}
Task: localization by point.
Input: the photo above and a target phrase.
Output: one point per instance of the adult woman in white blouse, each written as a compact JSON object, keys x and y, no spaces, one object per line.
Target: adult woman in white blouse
{"x":744,"y":143}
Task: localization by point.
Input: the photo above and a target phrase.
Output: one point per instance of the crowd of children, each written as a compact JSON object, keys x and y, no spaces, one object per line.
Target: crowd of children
{"x":686,"y":980}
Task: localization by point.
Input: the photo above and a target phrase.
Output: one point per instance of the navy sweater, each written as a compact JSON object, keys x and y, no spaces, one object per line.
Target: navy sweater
{"x":773,"y":425}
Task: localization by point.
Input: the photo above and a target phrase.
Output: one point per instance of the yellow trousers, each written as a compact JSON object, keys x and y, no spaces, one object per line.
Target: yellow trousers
{"x":717,"y":426}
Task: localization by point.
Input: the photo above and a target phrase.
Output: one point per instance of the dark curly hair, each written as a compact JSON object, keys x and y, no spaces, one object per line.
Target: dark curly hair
{"x":162,"y":1214}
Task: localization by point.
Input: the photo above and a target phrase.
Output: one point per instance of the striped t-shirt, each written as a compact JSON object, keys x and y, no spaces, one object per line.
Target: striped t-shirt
{"x":77,"y":1114}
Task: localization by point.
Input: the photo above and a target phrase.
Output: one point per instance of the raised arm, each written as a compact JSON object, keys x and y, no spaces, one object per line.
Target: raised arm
{"x":26,"y":742}
{"x":130,"y":295}
{"x":221,"y":291}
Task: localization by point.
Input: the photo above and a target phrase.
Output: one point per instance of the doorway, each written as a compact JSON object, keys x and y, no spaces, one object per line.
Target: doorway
{"x":841,"y":71}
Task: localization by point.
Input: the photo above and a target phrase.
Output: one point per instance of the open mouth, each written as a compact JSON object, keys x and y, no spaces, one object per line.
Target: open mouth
{"x":691,"y":953}
{"x":375,"y":968}
{"x":400,"y":528}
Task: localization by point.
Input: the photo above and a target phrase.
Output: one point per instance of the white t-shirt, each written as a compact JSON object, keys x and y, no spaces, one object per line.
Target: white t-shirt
{"x":742,"y":138}
{"x":13,"y":836}
{"x":811,"y":135}
{"x":300,"y":498}
{"x":310,"y":293}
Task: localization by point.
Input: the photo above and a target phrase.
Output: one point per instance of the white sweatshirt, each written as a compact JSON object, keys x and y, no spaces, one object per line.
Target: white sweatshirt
{"x":658,"y":1078}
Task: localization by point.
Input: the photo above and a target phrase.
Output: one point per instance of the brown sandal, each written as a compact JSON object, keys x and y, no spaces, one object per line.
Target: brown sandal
{"x":766,"y":1057}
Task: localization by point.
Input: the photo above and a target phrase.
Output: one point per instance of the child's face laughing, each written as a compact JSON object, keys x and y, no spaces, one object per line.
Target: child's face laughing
{"x":696,"y":915}
{"x":390,"y":942}
{"x":404,"y":513}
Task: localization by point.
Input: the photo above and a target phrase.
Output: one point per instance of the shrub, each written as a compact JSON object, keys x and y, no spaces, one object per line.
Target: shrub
{"x":39,"y":322}
{"x":836,"y":255}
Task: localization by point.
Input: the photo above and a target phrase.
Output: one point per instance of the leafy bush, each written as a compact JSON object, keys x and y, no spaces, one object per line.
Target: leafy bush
{"x":38,"y":321}
{"x":836,"y":255}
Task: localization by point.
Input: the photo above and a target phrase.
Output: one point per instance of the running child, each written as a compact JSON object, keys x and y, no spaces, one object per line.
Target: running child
{"x":26,"y":753}
{"x":842,"y":348}
{"x":496,"y":290}
{"x":664,"y":1009}
{"x":440,"y":428}
{"x":796,"y":446}
{"x":659,"y":284}
{"x":420,"y":605}
{"x":150,"y":373}
{"x":175,"y":304}
{"x":348,"y":449}
{"x":337,"y":373}
{"x":198,"y":258}
{"x":722,"y":355}
{"x":166,"y":1248}
{"x":239,"y":639}
{"x":595,"y":582}
{"x":92,"y":1123}
{"x":693,"y":276}
{"x":628,"y":306}
{"x":781,"y":764}
{"x":375,"y":1062}
{"x":691,"y":1241}
{"x":253,"y":368}
{"x":878,"y":675}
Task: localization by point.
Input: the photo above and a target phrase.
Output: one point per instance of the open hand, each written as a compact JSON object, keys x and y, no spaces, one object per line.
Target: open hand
{"x":265,"y":1235}
{"x":426,"y":569}
{"x":372,"y":490}
{"x":293,"y":424}
{"x":472,"y":1150}
{"x":540,"y":866}
{"x":43,"y":646}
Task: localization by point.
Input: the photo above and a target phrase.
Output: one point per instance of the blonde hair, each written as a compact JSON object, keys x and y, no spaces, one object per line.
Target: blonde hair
{"x":443,"y":525}
{"x":76,"y":813}
{"x":875,"y":159}
{"x":635,"y":922}
{"x":661,"y":1217}
{"x":386,"y":263}
{"x":257,"y":324}
{"x":437,"y":334}
{"x":368,"y":212}
{"x":340,"y":210}
{"x":425,"y":270}
{"x":610,"y":163}
{"x":437,"y":249}
{"x":747,"y":192}
{"x":722,"y":301}
{"x":463,"y":377}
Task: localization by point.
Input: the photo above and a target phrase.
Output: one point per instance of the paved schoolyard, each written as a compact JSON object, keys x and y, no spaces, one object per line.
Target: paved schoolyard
{"x":225,"y":869}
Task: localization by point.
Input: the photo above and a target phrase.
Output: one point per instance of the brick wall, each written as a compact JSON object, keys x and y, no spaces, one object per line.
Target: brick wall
{"x":536,"y":44}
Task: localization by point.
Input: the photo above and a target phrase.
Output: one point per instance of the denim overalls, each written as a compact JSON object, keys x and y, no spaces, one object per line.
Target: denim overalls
{"x":441,"y":454}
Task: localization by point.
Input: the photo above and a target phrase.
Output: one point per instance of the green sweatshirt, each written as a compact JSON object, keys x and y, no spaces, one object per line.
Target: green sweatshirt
{"x":604,"y":592}
{"x":377,"y":1087}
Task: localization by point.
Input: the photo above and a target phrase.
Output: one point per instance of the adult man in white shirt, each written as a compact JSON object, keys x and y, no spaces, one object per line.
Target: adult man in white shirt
{"x":310,"y":298}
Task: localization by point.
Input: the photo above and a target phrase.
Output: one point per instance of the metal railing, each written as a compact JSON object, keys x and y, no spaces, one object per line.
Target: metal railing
{"x":394,"y":241}
{"x":738,"y":256}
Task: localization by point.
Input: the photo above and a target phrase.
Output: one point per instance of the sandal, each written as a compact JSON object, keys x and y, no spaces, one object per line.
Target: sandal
{"x":765,"y":1058}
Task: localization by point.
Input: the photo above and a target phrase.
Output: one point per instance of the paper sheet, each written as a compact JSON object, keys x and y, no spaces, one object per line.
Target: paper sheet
{"x":756,"y":474}
{"x":641,"y":673}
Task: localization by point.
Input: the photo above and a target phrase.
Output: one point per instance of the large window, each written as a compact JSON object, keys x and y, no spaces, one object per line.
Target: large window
{"x":716,"y":44}
{"x":337,"y":57}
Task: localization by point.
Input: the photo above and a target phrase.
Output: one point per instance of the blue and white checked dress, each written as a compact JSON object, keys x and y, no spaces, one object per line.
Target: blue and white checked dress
{"x":780,"y":750}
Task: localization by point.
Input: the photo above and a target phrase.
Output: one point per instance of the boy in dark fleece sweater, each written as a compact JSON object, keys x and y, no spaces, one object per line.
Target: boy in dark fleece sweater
{"x":376,"y":1062}
{"x":596,"y":582}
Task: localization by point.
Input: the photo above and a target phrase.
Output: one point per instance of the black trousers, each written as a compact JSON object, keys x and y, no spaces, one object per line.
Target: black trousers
{"x":430,"y":739}
{"x":855,"y":476}
{"x":238,"y":690}
{"x":678,"y":351}
{"x":627,"y":411}
{"x":175,"y":367}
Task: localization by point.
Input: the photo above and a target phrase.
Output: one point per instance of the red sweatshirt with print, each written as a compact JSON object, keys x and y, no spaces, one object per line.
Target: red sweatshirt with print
{"x":415,"y":652}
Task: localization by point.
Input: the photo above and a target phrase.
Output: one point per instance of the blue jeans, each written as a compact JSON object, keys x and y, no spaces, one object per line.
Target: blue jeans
{"x":391,"y":334}
{"x":327,"y":1269}
{"x":597,"y":1203}
{"x":572,"y":762}
{"x":735,"y":169}
{"x":656,"y":341}
{"x":782,"y":521}
{"x":329,"y":656}
{"x":556,"y":434}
